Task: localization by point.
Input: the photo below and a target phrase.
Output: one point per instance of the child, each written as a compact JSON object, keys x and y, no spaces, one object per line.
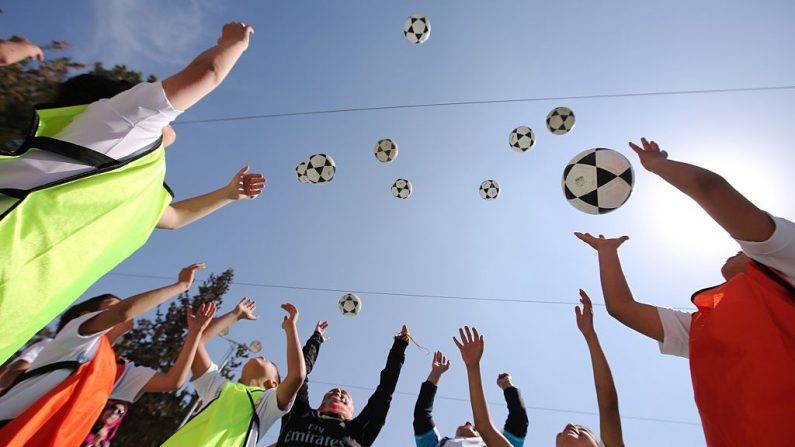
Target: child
{"x":69,"y":383}
{"x":574,"y":435}
{"x":104,"y":430}
{"x":741,"y":340}
{"x":239,"y":414}
{"x":86,"y":187}
{"x":425,"y":432}
{"x":333,"y":424}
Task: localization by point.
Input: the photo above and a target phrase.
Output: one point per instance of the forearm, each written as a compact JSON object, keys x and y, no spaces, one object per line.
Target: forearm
{"x":517,"y":421}
{"x":216,"y":62}
{"x":311,"y":349}
{"x":423,"y":409}
{"x":606,"y":395}
{"x":178,"y":372}
{"x":296,"y":367}
{"x":11,"y":52}
{"x":218,"y":325}
{"x":480,"y":409}
{"x":190,"y":210}
{"x":144,"y":302}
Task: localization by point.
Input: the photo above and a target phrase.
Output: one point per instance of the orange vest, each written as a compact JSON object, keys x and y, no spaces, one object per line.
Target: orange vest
{"x":64,"y":416}
{"x":742,"y":360}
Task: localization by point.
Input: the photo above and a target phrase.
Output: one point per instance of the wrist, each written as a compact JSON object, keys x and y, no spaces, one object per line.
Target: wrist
{"x":434,"y":377}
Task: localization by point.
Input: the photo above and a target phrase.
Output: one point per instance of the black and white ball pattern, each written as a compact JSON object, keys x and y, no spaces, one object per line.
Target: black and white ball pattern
{"x":300,"y":172}
{"x":522,"y":139}
{"x":560,"y":120}
{"x":402,"y":188}
{"x":386,"y":150}
{"x":320,"y":168}
{"x":417,"y":29}
{"x":350,"y":305}
{"x":598,"y":181}
{"x":489,"y":190}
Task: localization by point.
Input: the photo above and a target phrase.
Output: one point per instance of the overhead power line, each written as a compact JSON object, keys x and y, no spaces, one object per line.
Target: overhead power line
{"x":491,"y":101}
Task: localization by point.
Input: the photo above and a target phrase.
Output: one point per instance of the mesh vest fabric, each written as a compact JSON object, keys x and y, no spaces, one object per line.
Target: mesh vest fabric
{"x":225,"y":422}
{"x":59,"y":238}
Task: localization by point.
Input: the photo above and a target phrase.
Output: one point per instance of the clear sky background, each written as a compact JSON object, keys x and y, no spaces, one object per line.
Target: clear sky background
{"x":353,"y":235}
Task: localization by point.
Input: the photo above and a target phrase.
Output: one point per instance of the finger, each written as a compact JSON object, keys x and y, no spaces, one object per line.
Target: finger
{"x":475,"y":332}
{"x":243,"y":171}
{"x":655,"y":146}
{"x":196,"y":266}
{"x":635,"y":148}
{"x":460,"y":346}
{"x":469,"y":334}
{"x":645,"y":143}
{"x":578,"y":312}
{"x":623,"y":239}
{"x":461,"y":334}
{"x":250,"y":30}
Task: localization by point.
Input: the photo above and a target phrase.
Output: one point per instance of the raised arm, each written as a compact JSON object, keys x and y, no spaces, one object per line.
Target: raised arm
{"x":606,"y":395}
{"x":18,"y":48}
{"x":620,"y":303}
{"x":136,"y":305}
{"x":310,"y":352}
{"x":176,"y":375}
{"x":424,"y":424}
{"x":296,"y":369}
{"x":471,"y":347}
{"x":373,"y":416}
{"x":730,"y":209}
{"x":242,"y":186}
{"x":209,"y":69}
{"x":517,"y":422}
{"x":243,"y":311}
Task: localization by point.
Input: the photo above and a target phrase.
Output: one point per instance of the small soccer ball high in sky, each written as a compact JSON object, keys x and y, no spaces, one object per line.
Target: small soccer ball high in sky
{"x":489,"y":190}
{"x":417,"y":29}
{"x":522,"y":139}
{"x":401,"y":188}
{"x":386,"y":150}
{"x":598,"y":181}
{"x":560,"y":120}
{"x":350,"y":305}
{"x":320,"y":168}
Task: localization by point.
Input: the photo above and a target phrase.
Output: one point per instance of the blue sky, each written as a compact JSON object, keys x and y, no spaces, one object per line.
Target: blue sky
{"x":352,"y":235}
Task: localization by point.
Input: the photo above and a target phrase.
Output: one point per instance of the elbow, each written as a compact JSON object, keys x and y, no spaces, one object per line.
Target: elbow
{"x":175,"y":383}
{"x":711,"y":182}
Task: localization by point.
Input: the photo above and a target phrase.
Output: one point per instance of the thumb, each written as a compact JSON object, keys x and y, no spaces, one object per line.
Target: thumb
{"x":243,"y":171}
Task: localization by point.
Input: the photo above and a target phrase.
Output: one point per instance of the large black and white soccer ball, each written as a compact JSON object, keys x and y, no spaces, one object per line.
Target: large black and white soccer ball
{"x":417,"y":29}
{"x":386,"y":150}
{"x":401,"y":188}
{"x":598,"y":181}
{"x":320,"y":168}
{"x":560,"y":120}
{"x":350,"y":305}
{"x":300,"y":172}
{"x":522,"y":139}
{"x":489,"y":190}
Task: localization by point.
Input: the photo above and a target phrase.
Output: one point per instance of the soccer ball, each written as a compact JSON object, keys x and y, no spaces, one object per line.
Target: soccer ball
{"x":598,"y":181}
{"x":522,"y":139}
{"x":320,"y":168}
{"x":386,"y":151}
{"x":300,"y":172}
{"x":350,"y":305}
{"x":489,"y":190}
{"x":560,"y":120}
{"x":401,"y":188}
{"x":417,"y":29}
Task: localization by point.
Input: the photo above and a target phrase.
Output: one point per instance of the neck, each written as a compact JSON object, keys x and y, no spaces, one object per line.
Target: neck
{"x":252,"y":381}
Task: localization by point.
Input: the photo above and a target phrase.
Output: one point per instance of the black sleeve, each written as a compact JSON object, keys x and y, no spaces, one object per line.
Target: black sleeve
{"x":517,"y":422}
{"x":423,"y":419}
{"x":367,"y":425}
{"x":301,"y":403}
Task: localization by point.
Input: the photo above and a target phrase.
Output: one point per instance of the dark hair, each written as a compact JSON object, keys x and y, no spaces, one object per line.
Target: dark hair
{"x":87,"y":88}
{"x":89,"y":305}
{"x":278,"y":375}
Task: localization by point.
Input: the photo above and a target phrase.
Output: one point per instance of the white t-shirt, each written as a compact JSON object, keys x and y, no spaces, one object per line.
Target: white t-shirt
{"x":778,"y":253}
{"x":32,"y":351}
{"x":209,"y":386}
{"x":117,"y":127}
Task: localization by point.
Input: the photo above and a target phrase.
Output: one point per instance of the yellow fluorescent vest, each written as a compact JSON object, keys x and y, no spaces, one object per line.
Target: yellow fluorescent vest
{"x":57,"y":239}
{"x":225,"y":422}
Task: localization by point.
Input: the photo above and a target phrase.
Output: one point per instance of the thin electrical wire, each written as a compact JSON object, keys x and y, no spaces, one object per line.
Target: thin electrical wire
{"x":491,"y":101}
{"x":538,"y":408}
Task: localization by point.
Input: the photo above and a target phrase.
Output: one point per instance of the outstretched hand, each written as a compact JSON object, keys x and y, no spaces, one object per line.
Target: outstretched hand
{"x":404,"y":334}
{"x":234,"y":32}
{"x":601,"y":243}
{"x":585,"y":316}
{"x":245,"y":309}
{"x":440,"y":364}
{"x":188,"y":274}
{"x":291,"y":318}
{"x":200,"y":320}
{"x":471,"y":345}
{"x":650,"y":155}
{"x":244,"y":185}
{"x":320,"y":328}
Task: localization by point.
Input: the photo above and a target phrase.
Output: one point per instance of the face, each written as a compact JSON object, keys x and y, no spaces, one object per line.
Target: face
{"x":339,"y":402}
{"x":261,"y":369}
{"x":466,"y":431}
{"x":574,"y":435}
{"x":112,"y":413}
{"x":734,"y":265}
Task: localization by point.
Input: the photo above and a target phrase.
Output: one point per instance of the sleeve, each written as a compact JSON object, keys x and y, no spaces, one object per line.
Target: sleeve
{"x":517,"y":422}
{"x":209,"y":384}
{"x":30,"y":354}
{"x":301,"y":401}
{"x":425,"y":432}
{"x":145,"y":106}
{"x":778,"y":252}
{"x":676,"y":332}
{"x":129,"y":387}
{"x":268,"y":411}
{"x":367,"y":425}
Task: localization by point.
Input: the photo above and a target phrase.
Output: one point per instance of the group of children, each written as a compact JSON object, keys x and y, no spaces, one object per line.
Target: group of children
{"x":85,"y":189}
